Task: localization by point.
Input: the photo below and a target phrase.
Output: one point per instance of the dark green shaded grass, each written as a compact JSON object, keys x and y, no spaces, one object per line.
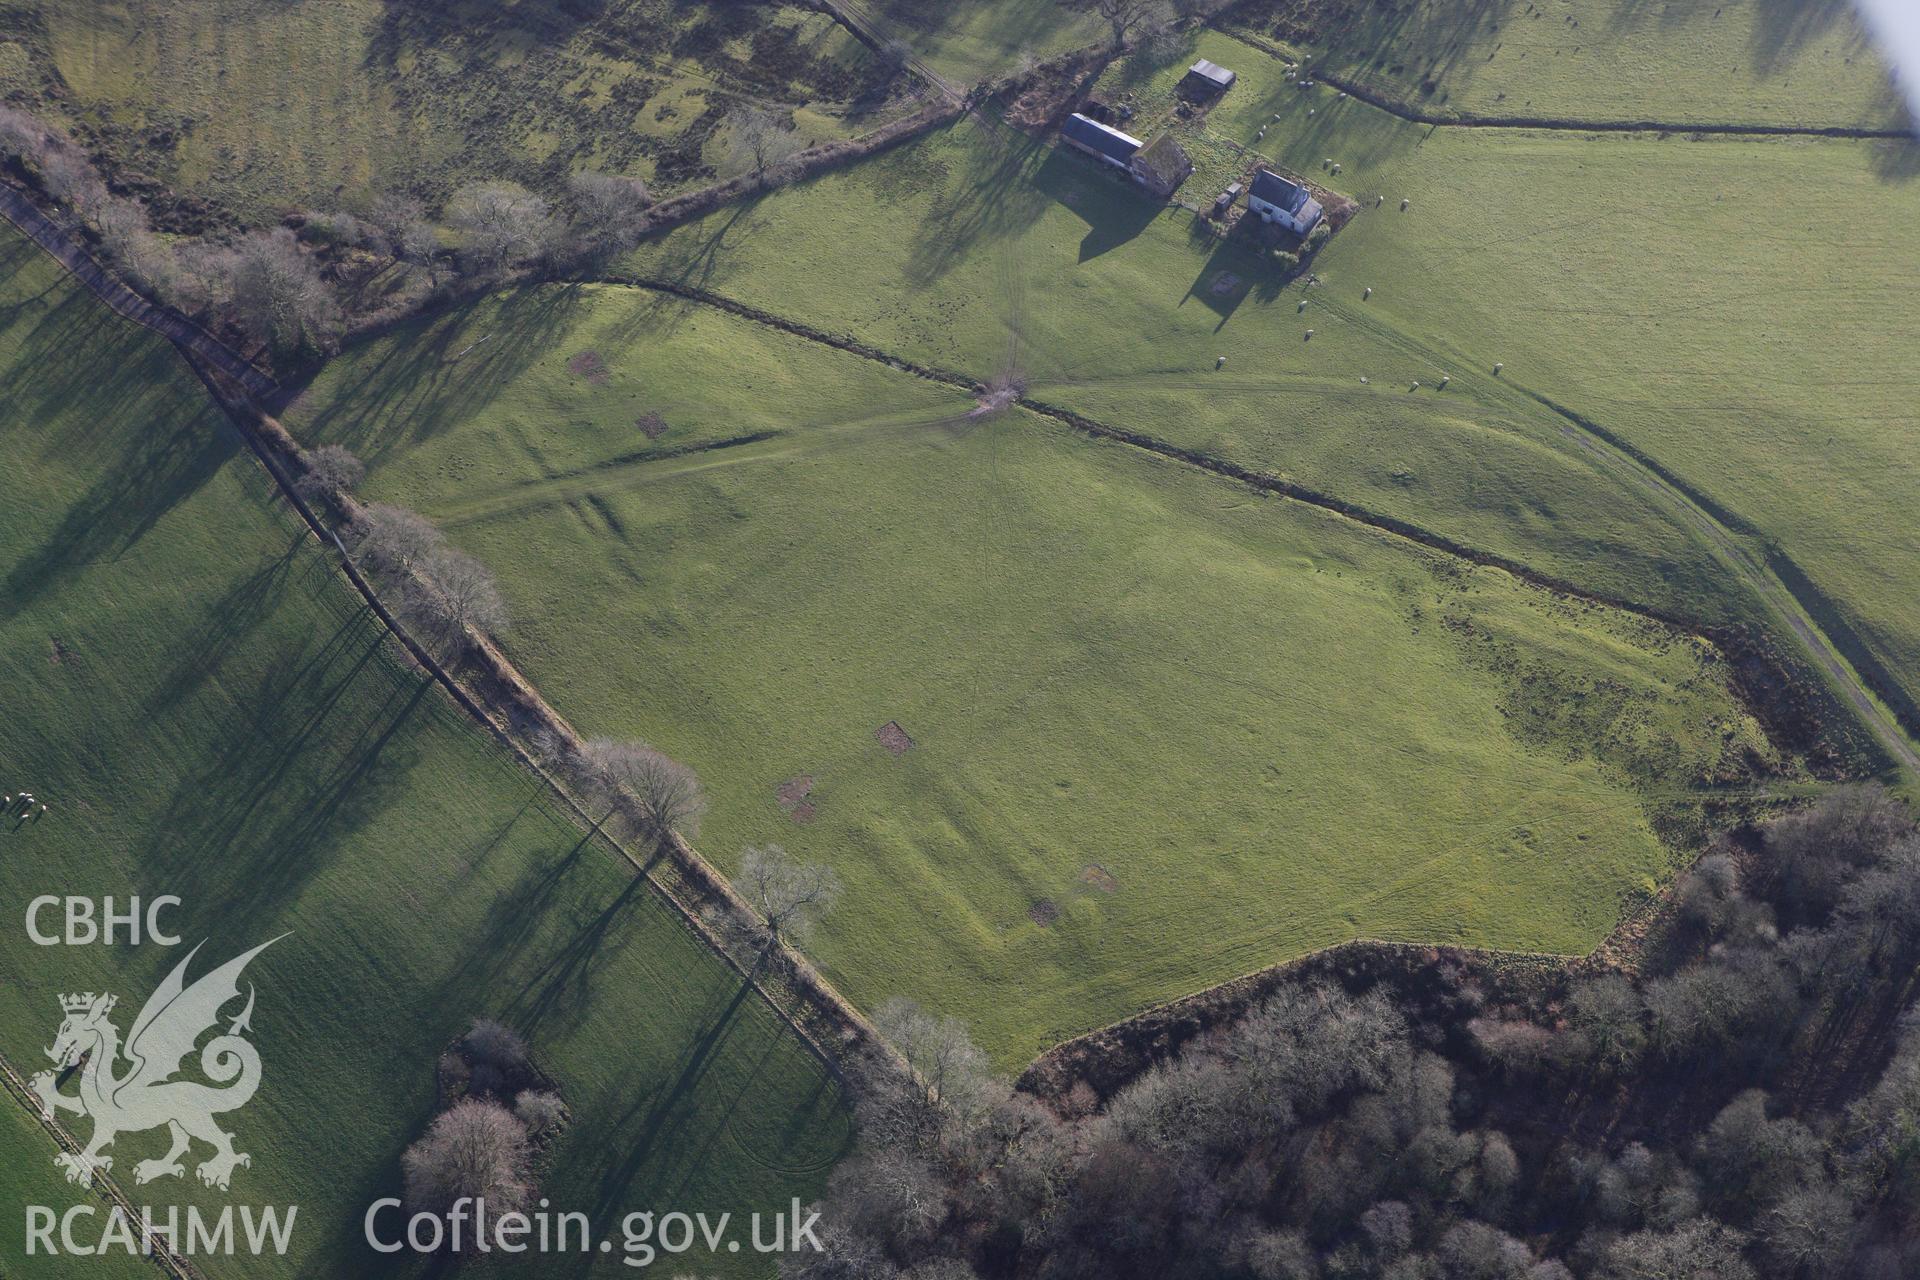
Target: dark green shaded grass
{"x":226,"y":723}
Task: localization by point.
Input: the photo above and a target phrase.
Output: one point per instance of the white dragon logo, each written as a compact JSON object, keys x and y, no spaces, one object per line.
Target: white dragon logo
{"x":145,"y":1095}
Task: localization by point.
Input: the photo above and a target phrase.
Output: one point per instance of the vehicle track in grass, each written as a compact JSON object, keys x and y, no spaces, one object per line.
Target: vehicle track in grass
{"x":1695,"y":513}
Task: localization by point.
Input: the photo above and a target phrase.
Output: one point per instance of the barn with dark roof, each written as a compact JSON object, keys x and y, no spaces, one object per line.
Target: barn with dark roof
{"x":1099,"y":141}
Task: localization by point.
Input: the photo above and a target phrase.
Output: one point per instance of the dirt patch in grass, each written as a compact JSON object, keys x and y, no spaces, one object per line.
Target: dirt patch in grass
{"x":792,"y":797}
{"x":57,"y":653}
{"x":1100,"y":878}
{"x":1223,"y":284}
{"x":1043,"y":912}
{"x":894,"y":738}
{"x":651,"y":425}
{"x":590,"y":366}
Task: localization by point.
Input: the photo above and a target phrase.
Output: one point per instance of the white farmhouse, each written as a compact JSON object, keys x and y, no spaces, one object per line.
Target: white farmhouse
{"x":1281,"y":200}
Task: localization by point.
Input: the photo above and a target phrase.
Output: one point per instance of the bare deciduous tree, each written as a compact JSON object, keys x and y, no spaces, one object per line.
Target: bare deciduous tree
{"x":543,"y":1113}
{"x":656,"y":793}
{"x":279,"y":295}
{"x":392,"y":539}
{"x":454,"y":591}
{"x":501,"y":223}
{"x":475,"y":1150}
{"x":608,"y":207}
{"x":760,"y":140}
{"x":331,"y":470}
{"x":1125,"y":17}
{"x":790,"y":896}
{"x":951,"y":1078}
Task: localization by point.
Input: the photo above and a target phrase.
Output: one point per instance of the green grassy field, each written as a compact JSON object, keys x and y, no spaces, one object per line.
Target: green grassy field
{"x":1742,"y":349}
{"x":1135,"y":691}
{"x":256,"y":106}
{"x":27,"y":1177}
{"x":1782,"y":62}
{"x":981,"y":39}
{"x":212,"y":715}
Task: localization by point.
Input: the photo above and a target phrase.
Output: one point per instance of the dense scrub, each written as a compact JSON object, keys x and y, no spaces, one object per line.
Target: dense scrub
{"x":1745,"y":1106}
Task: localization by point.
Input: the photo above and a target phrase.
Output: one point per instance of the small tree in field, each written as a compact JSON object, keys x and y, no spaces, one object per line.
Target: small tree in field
{"x":789,"y":896}
{"x":475,"y":1150}
{"x":760,"y":140}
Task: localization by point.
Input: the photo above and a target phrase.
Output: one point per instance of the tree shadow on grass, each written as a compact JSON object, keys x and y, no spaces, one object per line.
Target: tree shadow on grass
{"x":435,"y":374}
{"x":1232,"y":273}
{"x":314,"y":749}
{"x":995,"y":198}
{"x":664,"y":1120}
{"x":1114,"y":210}
{"x":159,"y":468}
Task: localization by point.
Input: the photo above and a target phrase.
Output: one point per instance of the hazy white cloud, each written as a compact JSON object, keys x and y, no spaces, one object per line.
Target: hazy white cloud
{"x":1896,"y":28}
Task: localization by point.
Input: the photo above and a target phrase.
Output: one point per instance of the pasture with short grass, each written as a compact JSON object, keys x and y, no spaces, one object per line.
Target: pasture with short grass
{"x":1129,"y":692}
{"x":1680,"y":62}
{"x":215,"y":715}
{"x":253,"y":106}
{"x":1082,"y":725}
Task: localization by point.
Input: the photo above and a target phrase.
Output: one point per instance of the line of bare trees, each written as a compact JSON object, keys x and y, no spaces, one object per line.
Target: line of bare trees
{"x":438,"y":590}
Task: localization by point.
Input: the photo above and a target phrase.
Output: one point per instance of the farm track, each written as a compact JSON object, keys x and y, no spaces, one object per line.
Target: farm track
{"x":169,"y":324}
{"x":1694,"y":512}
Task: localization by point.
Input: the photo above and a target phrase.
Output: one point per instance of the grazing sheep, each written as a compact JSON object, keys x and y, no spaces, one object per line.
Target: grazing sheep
{"x":1303,"y":306}
{"x":1309,"y":337}
{"x":1219,"y":361}
{"x":1497,"y":368}
{"x":1444,"y":381}
{"x":1415,"y":386}
{"x":1404,"y":202}
{"x":1366,"y":293}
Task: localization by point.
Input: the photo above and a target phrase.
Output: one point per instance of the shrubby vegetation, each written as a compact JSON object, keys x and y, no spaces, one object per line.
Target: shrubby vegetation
{"x":1745,"y":1107}
{"x":485,"y":1144}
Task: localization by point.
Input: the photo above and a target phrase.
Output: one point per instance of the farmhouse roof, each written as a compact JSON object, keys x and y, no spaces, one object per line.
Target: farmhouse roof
{"x":1212,"y":72}
{"x":1111,"y":143}
{"x":1281,"y":192}
{"x":1164,"y":159}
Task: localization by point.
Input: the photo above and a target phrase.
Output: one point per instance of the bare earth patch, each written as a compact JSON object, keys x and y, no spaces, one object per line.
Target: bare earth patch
{"x":588,"y":365}
{"x":1099,"y":877}
{"x":792,"y":797}
{"x":894,"y":738}
{"x":1223,"y":284}
{"x":651,"y":425}
{"x":1043,"y":912}
{"x":56,"y":652}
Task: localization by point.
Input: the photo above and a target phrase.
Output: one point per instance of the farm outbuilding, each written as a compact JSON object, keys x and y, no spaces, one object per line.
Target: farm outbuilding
{"x":1099,"y":141}
{"x":1205,"y":78}
{"x":1161,"y":166}
{"x":1283,"y":201}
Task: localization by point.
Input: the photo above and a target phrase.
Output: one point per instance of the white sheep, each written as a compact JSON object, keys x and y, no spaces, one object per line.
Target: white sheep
{"x":1404,"y":202}
{"x":1366,"y":293}
{"x":1497,"y":368}
{"x":1219,"y":361}
{"x":1303,"y":306}
{"x":1309,"y":337}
